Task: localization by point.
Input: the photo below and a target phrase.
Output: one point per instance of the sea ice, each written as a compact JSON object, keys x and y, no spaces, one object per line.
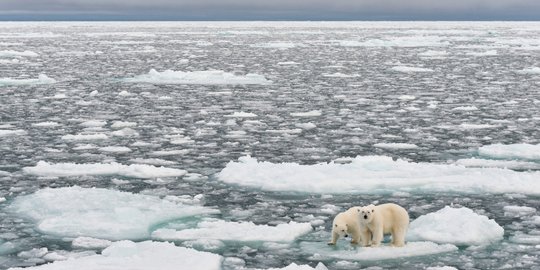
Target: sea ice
{"x":406,"y":69}
{"x":237,"y":231}
{"x":294,"y":266}
{"x":458,"y":226}
{"x":99,"y":213}
{"x":90,"y":243}
{"x":115,"y":149}
{"x":11,"y":53}
{"x":376,"y":174}
{"x":490,"y":163}
{"x":85,"y":137}
{"x":320,"y":251}
{"x":44,"y":168}
{"x":313,"y":113}
{"x":139,"y":256}
{"x":395,"y":145}
{"x":42,"y":79}
{"x":11,"y":132}
{"x":511,"y":151}
{"x":210,"y":77}
{"x":532,"y":70}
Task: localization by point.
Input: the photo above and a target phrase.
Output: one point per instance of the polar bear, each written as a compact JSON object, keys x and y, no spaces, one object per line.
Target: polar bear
{"x":388,"y":218}
{"x":346,"y":223}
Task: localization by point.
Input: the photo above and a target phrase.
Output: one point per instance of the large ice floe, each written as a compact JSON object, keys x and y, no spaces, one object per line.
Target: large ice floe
{"x":237,"y":231}
{"x":143,"y":255}
{"x":99,"y":213}
{"x":44,"y":168}
{"x":322,"y":252}
{"x":42,"y":79}
{"x":377,"y":174}
{"x":209,"y":77}
{"x":458,"y":226}
{"x":12,"y":53}
{"x":511,"y":151}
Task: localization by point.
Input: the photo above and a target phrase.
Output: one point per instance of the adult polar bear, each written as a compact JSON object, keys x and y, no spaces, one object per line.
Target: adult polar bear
{"x":375,"y":221}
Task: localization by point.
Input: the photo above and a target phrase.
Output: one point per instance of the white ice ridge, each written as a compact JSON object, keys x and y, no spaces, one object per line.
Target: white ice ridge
{"x":44,"y":168}
{"x":42,"y":79}
{"x":99,"y":213}
{"x":139,"y":256}
{"x":376,"y":174}
{"x":11,"y":53}
{"x":511,"y":151}
{"x":237,"y":231}
{"x":210,"y":77}
{"x":321,"y":251}
{"x":407,"y":69}
{"x":458,"y":226}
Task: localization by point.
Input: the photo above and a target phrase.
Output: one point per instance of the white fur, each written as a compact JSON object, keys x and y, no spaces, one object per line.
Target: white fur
{"x":376,"y":221}
{"x":346,"y":223}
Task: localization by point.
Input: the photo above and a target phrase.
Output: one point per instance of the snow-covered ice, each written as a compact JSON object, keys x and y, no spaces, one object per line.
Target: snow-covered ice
{"x":42,"y":79}
{"x":376,"y":174}
{"x":458,"y":226}
{"x":197,"y":77}
{"x":12,"y":53}
{"x":44,"y":168}
{"x":511,"y":151}
{"x":396,"y":145}
{"x":143,"y":255}
{"x":408,"y":69}
{"x":99,"y":213}
{"x":237,"y":231}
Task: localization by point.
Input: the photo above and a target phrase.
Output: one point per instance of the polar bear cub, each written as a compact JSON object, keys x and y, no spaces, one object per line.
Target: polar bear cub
{"x":346,"y":223}
{"x":376,"y":221}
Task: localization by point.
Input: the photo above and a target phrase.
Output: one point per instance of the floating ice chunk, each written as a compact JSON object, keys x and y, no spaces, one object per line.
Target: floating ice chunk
{"x":42,"y":79}
{"x":432,"y":53}
{"x":465,"y":108}
{"x":532,"y":70}
{"x":44,"y":168}
{"x":522,"y":238}
{"x":204,"y":244}
{"x":288,"y":63}
{"x":237,"y":231}
{"x":100,"y":213}
{"x":486,"y":53}
{"x":179,"y":152}
{"x":93,"y":123}
{"x":197,"y":77}
{"x":511,"y":151}
{"x":375,"y":174}
{"x":2,"y":199}
{"x":410,"y":41}
{"x":242,"y":115}
{"x":506,"y":164}
{"x":125,"y":132}
{"x":294,"y":266}
{"x":152,"y":161}
{"x":313,"y":113}
{"x":406,"y":69}
{"x":123,"y":124}
{"x":340,"y":75}
{"x":517,"y":211}
{"x":46,"y":124}
{"x":85,"y":137}
{"x":275,"y":45}
{"x":115,"y":149}
{"x":11,"y":53}
{"x":90,"y":243}
{"x":320,"y":251}
{"x":406,"y":97}
{"x":395,"y":145}
{"x":306,"y":126}
{"x":458,"y":226}
{"x":441,"y":268}
{"x":9,"y":132}
{"x":139,"y":256}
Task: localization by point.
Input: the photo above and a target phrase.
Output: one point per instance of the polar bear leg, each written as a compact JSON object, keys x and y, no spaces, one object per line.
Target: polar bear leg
{"x":398,"y":237}
{"x":365,"y":236}
{"x":378,"y":236}
{"x":335,"y":237}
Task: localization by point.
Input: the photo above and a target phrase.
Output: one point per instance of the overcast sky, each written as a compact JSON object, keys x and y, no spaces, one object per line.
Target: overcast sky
{"x":269,"y":9}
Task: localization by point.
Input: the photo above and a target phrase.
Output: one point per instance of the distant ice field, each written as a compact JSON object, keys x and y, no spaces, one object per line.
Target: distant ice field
{"x":232,"y":145}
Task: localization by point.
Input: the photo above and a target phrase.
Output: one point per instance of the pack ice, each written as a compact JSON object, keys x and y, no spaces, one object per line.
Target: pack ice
{"x":100,"y":213}
{"x":209,"y":77}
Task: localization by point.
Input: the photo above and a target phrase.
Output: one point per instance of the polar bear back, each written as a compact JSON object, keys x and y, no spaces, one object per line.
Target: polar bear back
{"x":393,"y":216}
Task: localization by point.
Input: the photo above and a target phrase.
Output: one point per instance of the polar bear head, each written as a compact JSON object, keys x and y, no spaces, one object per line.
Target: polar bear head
{"x":340,"y":225}
{"x":366,"y":213}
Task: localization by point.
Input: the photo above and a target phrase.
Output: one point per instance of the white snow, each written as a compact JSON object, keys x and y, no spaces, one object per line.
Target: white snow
{"x":373,"y":174}
{"x":209,"y":77}
{"x":90,"y":243}
{"x":405,"y":41}
{"x":395,"y":145}
{"x":321,"y":251}
{"x":511,"y":151}
{"x":125,"y":132}
{"x":85,"y":137}
{"x":275,"y":45}
{"x":11,"y":132}
{"x":11,"y":53}
{"x":237,"y":231}
{"x":99,"y":213}
{"x":465,"y":108}
{"x":313,"y":113}
{"x":458,"y":226}
{"x":139,"y":256}
{"x":42,"y":79}
{"x":407,"y":69}
{"x":44,"y":168}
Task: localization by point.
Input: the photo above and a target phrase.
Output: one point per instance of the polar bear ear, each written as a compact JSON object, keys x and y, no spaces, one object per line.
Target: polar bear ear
{"x":372,"y":210}
{"x":335,"y":225}
{"x":358,"y":209}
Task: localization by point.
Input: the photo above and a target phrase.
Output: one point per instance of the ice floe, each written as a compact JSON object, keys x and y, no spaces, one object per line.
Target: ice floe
{"x":237,"y":231}
{"x":44,"y":168}
{"x":531,"y":70}
{"x":294,"y":266}
{"x":11,"y":53}
{"x":511,"y":151}
{"x":395,"y":145}
{"x":100,"y":213}
{"x":491,"y":163}
{"x":376,"y":174}
{"x":85,"y":137}
{"x":139,"y":256}
{"x":209,"y":77}
{"x":313,"y":113}
{"x":407,"y":69}
{"x":42,"y":79}
{"x":458,"y":226}
{"x":320,"y":251}
{"x":90,"y":243}
{"x":12,"y":132}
